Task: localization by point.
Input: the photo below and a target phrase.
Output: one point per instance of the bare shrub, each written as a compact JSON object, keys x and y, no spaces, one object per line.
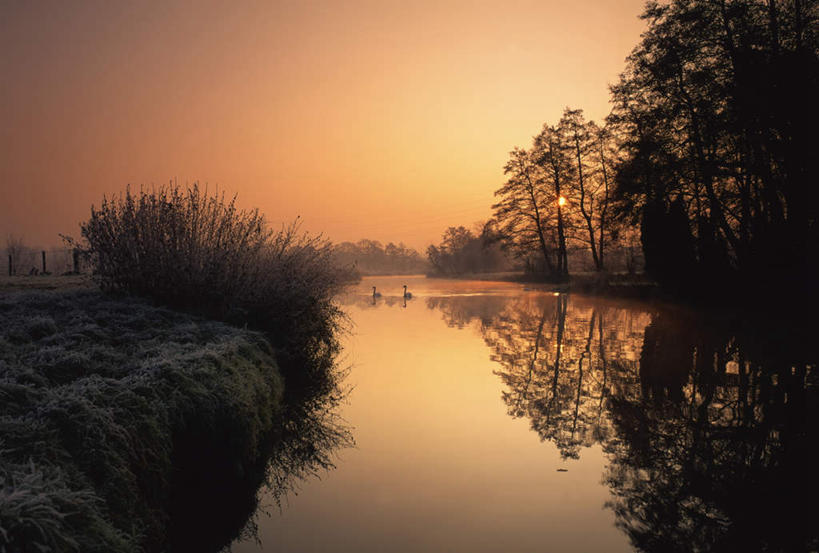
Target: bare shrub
{"x":198,"y":252}
{"x":173,"y":242}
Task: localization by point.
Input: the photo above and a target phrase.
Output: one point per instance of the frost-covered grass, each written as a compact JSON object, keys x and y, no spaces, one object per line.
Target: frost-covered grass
{"x":99,"y":396}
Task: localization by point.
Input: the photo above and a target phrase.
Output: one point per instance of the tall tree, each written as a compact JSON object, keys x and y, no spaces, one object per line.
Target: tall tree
{"x":588,"y":189}
{"x":525,"y":212}
{"x":552,"y":153}
{"x":604,"y":153}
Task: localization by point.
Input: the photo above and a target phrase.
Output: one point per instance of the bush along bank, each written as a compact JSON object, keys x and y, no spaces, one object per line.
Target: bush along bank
{"x":106,"y":405}
{"x":199,"y":253}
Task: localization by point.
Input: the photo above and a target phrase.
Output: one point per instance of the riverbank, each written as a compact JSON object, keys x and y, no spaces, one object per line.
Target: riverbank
{"x":112,"y":409}
{"x":620,"y":285}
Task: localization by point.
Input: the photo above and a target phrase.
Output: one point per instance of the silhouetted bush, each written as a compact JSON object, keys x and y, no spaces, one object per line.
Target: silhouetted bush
{"x":200,"y":253}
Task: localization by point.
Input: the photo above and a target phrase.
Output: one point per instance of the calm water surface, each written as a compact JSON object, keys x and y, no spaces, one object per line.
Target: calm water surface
{"x":496,"y":417}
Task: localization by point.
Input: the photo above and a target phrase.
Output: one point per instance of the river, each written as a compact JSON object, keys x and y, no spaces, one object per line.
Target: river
{"x":495,"y":416}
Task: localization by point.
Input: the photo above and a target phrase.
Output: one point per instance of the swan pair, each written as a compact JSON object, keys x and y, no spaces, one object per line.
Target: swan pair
{"x":407,"y":295}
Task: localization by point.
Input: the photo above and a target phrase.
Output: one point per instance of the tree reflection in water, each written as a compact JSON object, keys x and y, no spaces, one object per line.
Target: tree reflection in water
{"x":560,"y":359}
{"x":709,"y":426}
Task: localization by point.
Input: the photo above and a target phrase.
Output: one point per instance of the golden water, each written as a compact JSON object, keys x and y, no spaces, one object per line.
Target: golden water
{"x":503,"y":417}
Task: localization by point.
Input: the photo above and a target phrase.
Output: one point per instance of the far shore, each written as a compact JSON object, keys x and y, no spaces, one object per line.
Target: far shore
{"x":623,"y":285}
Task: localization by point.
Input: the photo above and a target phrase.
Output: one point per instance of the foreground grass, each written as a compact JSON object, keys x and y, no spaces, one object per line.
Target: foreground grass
{"x":100,"y":401}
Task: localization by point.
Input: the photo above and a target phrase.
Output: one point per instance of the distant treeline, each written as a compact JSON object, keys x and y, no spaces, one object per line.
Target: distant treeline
{"x":370,"y":257}
{"x":463,"y":251}
{"x":706,"y":162}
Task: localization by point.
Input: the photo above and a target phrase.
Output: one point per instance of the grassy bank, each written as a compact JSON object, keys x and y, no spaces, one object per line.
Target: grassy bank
{"x":106,"y":404}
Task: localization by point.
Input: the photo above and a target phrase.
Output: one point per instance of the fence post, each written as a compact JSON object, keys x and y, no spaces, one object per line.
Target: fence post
{"x":44,"y":265}
{"x":76,"y":258}
{"x":11,"y":266}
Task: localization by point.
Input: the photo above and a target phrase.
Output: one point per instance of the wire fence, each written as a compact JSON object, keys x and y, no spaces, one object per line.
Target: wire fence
{"x":56,"y":261}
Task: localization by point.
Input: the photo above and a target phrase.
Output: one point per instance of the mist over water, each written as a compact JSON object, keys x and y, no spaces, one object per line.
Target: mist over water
{"x":496,"y":416}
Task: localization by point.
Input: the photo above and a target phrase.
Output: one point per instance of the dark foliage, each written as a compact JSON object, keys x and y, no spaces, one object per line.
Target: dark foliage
{"x":668,"y":246}
{"x":716,"y":112}
{"x":558,"y":200}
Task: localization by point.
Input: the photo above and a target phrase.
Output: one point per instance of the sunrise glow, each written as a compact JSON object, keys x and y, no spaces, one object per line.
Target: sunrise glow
{"x":377,"y":120}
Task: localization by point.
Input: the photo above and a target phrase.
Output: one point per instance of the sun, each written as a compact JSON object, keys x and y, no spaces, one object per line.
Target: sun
{"x":561,"y":201}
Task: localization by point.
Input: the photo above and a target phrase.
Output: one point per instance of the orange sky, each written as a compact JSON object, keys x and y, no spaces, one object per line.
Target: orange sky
{"x":387,"y":120}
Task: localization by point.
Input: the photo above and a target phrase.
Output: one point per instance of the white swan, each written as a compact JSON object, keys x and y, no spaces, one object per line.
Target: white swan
{"x":376,"y":294}
{"x":407,"y":295}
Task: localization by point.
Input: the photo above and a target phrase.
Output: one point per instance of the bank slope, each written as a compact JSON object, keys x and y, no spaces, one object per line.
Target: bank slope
{"x":105,"y":403}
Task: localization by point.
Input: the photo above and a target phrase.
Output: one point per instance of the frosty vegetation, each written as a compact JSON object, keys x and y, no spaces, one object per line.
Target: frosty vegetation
{"x":130,"y":419}
{"x":199,"y":252}
{"x":94,"y":393}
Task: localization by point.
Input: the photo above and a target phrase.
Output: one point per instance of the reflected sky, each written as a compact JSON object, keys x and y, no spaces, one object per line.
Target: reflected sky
{"x":499,"y":416}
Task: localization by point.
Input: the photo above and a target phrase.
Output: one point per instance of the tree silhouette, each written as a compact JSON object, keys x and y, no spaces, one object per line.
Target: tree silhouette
{"x":462,"y":251}
{"x":588,"y":188}
{"x":552,"y":153}
{"x":526,"y":212}
{"x":716,"y":111}
{"x":558,"y":194}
